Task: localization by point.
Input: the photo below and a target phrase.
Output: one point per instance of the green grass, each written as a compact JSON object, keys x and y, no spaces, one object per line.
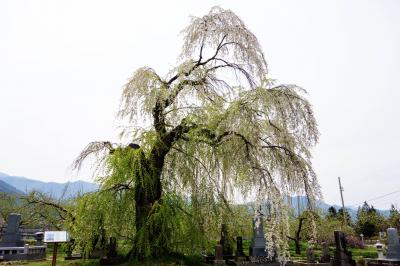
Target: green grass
{"x":368,"y":252}
{"x":357,"y":253}
{"x":163,"y":261}
{"x":60,"y":262}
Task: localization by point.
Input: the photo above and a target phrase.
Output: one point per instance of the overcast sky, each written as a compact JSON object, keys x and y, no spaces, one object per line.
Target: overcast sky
{"x":63,"y":64}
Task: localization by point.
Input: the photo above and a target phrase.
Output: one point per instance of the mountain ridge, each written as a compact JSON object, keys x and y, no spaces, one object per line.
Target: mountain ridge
{"x":68,"y":189}
{"x":20,"y":184}
{"x":9,"y":189}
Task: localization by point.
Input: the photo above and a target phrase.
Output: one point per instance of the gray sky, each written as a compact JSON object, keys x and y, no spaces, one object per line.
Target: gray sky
{"x":63,"y":64}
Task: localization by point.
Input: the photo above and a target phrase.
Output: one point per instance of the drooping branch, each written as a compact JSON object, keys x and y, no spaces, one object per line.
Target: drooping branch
{"x":219,"y":193}
{"x":97,"y":148}
{"x":45,"y":208}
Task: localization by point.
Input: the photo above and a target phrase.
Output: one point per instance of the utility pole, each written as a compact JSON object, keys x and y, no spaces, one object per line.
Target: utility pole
{"x":298,"y":205}
{"x":343,"y":209}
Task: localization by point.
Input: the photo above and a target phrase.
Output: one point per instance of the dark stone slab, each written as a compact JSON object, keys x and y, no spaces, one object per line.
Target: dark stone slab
{"x":326,"y":256}
{"x":393,"y":244}
{"x":224,"y":241}
{"x":342,"y":255}
{"x":12,"y":236}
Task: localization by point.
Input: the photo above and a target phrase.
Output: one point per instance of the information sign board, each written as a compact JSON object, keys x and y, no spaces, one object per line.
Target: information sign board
{"x":56,"y":236}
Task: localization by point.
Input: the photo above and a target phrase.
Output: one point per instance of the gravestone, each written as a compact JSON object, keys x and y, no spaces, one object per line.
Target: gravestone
{"x":239,"y":247}
{"x":12,"y":236}
{"x":240,"y":256}
{"x":310,"y":255}
{"x":224,"y":241}
{"x":326,"y":256}
{"x":393,"y":251}
{"x":342,"y":255}
{"x":112,"y":248}
{"x":258,"y":243}
{"x":219,"y":256}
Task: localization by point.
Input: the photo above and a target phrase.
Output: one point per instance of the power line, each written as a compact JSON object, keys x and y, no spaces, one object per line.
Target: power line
{"x":379,"y":197}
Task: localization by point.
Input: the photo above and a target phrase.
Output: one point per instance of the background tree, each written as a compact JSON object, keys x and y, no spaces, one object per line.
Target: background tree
{"x":369,"y":221}
{"x":41,"y":210}
{"x":332,"y":213}
{"x":302,"y":228}
{"x":347,"y":216}
{"x":9,"y":204}
{"x":394,"y":217}
{"x":332,"y":221}
{"x":213,"y":125}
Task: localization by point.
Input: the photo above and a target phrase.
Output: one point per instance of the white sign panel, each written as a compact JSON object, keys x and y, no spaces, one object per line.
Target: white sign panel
{"x":56,"y":236}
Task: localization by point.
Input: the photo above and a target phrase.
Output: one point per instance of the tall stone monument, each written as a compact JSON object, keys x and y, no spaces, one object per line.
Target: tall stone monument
{"x":12,"y":236}
{"x":258,"y":243}
{"x":342,"y":255}
{"x":393,"y":251}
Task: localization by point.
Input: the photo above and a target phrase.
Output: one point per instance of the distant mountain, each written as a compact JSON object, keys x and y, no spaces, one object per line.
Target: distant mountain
{"x":301,"y":201}
{"x":8,"y":189}
{"x":56,"y":190}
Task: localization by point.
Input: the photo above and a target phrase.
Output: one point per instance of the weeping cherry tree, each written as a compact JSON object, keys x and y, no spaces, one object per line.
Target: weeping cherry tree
{"x":214,"y":127}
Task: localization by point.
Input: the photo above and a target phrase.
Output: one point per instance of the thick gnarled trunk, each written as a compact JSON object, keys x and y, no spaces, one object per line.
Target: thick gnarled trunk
{"x":147,"y":194}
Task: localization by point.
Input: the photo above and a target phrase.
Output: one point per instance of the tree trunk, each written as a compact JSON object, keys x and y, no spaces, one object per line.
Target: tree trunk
{"x":298,"y":238}
{"x":147,"y":193}
{"x":297,"y":245}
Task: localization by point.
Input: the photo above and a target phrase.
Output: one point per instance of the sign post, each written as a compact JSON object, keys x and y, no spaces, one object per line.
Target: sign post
{"x":55,"y":237}
{"x":54,"y":260}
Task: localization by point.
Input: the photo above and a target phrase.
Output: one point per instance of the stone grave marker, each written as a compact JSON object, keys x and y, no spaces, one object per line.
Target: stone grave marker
{"x":240,"y":256}
{"x":224,"y":241}
{"x":258,"y":243}
{"x":310,"y":255}
{"x":326,"y":256}
{"x":342,"y":255}
{"x":393,"y":251}
{"x":12,"y":236}
{"x":239,"y":247}
{"x":219,"y":256}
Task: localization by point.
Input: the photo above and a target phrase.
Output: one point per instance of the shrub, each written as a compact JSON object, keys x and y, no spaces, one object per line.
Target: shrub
{"x":354,"y":242}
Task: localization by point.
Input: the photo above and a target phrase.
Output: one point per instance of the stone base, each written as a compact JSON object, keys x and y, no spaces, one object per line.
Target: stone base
{"x":346,"y":262}
{"x":381,"y":262}
{"x":305,"y":263}
{"x":258,"y":251}
{"x":393,"y":252}
{"x":241,"y":258}
{"x":23,"y":253}
{"x":219,"y":263}
{"x":73,"y":257}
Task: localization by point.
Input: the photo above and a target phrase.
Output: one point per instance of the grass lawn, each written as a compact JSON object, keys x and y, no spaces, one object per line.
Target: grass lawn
{"x":367,"y":252}
{"x":60,"y":262}
{"x":165,"y":261}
